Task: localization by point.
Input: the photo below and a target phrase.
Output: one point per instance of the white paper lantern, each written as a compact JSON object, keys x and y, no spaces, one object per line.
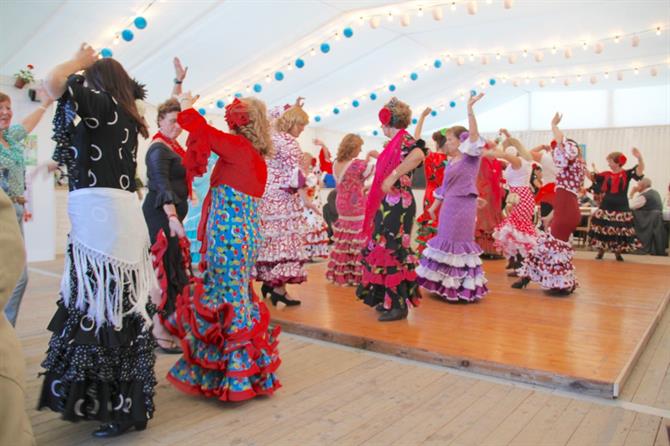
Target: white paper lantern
{"x":539,"y":56}
{"x":542,"y":83}
{"x":460,"y":60}
{"x":515,"y":82}
{"x":598,"y":47}
{"x":472,"y":7}
{"x":404,"y":20}
{"x":567,"y":53}
{"x":636,"y":41}
{"x":374,"y":22}
{"x":437,"y":13}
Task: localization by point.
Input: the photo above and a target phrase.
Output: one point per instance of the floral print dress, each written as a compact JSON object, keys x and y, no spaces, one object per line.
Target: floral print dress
{"x":389,"y":263}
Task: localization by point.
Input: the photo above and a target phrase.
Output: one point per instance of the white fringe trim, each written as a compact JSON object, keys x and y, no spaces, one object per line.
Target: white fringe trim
{"x":447,"y":281}
{"x":94,"y":294}
{"x":455,"y":260}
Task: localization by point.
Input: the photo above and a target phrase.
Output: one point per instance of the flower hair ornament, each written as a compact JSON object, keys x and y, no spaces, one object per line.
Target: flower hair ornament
{"x":464,"y":136}
{"x":443,"y":132}
{"x":553,"y":144}
{"x":385,"y":116}
{"x":237,"y":114}
{"x":622,"y":160}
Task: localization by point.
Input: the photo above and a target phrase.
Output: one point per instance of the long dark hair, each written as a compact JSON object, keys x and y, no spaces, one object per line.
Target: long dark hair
{"x":109,"y":75}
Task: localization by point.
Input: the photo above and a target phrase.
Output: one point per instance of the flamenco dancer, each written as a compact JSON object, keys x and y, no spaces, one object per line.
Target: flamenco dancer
{"x":450,"y":267}
{"x":489,"y":210}
{"x":282,"y":248}
{"x":229,"y":352}
{"x":515,"y":235}
{"x":389,"y":277}
{"x":433,"y":167}
{"x":100,"y":362}
{"x":612,"y":225}
{"x":315,"y":231}
{"x":550,"y":261}
{"x":344,"y":266}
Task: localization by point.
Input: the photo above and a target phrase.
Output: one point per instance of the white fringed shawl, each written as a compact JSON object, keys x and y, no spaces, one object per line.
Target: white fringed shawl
{"x":109,"y":238}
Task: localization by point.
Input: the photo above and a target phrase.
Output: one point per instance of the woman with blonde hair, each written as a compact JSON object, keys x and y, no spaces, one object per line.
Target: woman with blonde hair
{"x":282,"y":252}
{"x":389,"y":263}
{"x":344,"y":266}
{"x":229,"y":352}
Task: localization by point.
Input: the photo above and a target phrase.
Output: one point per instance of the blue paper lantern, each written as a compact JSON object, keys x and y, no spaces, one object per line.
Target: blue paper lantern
{"x":258,"y":88}
{"x":140,"y":22}
{"x":414,"y":121}
{"x":373,"y":96}
{"x":106,"y":52}
{"x":336,"y":111}
{"x":238,"y":95}
{"x":414,"y":76}
{"x":492,"y":82}
{"x":317,"y":118}
{"x":355,"y":103}
{"x":127,"y":35}
{"x":348,"y":32}
{"x":375,"y":132}
{"x":433,"y":113}
{"x":452,"y":104}
{"x":220,"y":103}
{"x":437,"y":63}
{"x":473,"y":92}
{"x":202,"y":111}
{"x":279,"y":76}
{"x":391,"y":87}
{"x":299,"y":63}
{"x":325,"y":48}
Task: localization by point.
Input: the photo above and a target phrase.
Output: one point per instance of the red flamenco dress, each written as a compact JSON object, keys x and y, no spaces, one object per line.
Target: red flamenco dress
{"x":434,"y":165}
{"x":230,"y":353}
{"x":490,"y":188}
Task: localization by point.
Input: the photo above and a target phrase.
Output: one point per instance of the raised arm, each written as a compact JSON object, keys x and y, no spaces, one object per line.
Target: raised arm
{"x":419,"y":125}
{"x":179,"y":76}
{"x":520,"y":148}
{"x":472,"y":121}
{"x":536,"y":152}
{"x":57,"y":78}
{"x":558,"y":134}
{"x":30,"y":122}
{"x":515,"y":161}
{"x":640,"y":162}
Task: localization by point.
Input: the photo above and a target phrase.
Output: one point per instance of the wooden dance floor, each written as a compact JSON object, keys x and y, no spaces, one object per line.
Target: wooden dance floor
{"x":588,"y":342}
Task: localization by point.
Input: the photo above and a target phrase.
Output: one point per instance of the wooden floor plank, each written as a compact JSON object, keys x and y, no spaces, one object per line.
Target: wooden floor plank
{"x":644,"y":430}
{"x":517,"y":420}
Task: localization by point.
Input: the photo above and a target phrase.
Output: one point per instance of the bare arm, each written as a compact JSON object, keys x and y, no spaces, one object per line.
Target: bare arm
{"x":640,"y":162}
{"x":30,"y":122}
{"x":179,"y":76}
{"x":558,"y":134}
{"x":419,"y":125}
{"x":57,"y":78}
{"x":536,"y":152}
{"x":515,"y":161}
{"x":410,"y":163}
{"x":521,"y":149}
{"x":472,"y":121}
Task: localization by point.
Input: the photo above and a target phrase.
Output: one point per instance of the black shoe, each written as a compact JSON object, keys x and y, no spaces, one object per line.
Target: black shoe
{"x":560,"y":292}
{"x":276,"y":297}
{"x":380,"y":308}
{"x":512,"y":273}
{"x":619,"y":257}
{"x":115,"y":429}
{"x":600,"y":255}
{"x":265,"y":291}
{"x":394,"y":314}
{"x":168,"y":350}
{"x":510,"y":263}
{"x":521,"y":283}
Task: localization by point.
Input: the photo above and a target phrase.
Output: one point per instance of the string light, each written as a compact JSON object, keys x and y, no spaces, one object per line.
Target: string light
{"x":585,"y":45}
{"x":498,"y":56}
{"x":525,"y":53}
{"x":390,"y":16}
{"x":419,"y":12}
{"x":606,"y":75}
{"x":453,"y":6}
{"x":554,"y":49}
{"x":636,"y":71}
{"x":616,"y":39}
{"x":658,"y":30}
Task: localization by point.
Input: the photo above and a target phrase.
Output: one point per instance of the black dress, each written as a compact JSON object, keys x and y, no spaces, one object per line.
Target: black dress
{"x":167,"y":185}
{"x":612,"y":225}
{"x":105,"y":374}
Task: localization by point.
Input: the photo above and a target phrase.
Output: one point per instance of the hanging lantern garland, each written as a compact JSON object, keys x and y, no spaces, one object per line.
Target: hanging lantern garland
{"x":139,"y":22}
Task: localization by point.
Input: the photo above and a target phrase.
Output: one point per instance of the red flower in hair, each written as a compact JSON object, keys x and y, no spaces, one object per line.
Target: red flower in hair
{"x":553,"y":144}
{"x":237,"y":114}
{"x":622,"y":160}
{"x":30,"y":66}
{"x":385,"y":116}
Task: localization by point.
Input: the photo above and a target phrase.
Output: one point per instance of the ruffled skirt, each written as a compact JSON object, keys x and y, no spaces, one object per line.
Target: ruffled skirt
{"x":613,"y":231}
{"x":516,"y":233}
{"x":344,"y":265}
{"x":549,"y":263}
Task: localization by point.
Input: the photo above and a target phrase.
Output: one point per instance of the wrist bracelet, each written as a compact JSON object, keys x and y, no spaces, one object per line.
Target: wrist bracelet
{"x":43,"y":107}
{"x":172,"y":216}
{"x":177,"y":81}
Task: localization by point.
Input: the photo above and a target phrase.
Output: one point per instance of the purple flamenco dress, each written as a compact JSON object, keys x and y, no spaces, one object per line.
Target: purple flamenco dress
{"x":450,"y":266}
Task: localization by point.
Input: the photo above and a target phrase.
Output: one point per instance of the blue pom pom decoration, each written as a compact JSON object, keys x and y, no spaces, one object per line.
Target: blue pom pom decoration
{"x":414,"y":121}
{"x":258,"y":88}
{"x":127,"y":35}
{"x":325,"y":48}
{"x":437,"y":63}
{"x":202,"y":111}
{"x":220,"y":103}
{"x":492,"y":82}
{"x":336,"y":111}
{"x":414,"y":76}
{"x":373,"y":96}
{"x":433,"y":113}
{"x":355,"y":103}
{"x":473,"y":92}
{"x":391,"y":87}
{"x":375,"y":132}
{"x":348,"y":32}
{"x":452,"y":104}
{"x":299,"y":63}
{"x":106,"y":52}
{"x":140,"y":22}
{"x":238,"y":95}
{"x":279,"y":76}
{"x":317,"y":118}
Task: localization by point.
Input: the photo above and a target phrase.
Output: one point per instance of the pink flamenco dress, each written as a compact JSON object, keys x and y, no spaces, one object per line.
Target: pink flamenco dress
{"x":344,"y":265}
{"x":316,"y":229}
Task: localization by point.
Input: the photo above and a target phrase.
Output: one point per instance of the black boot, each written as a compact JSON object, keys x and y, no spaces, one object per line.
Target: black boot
{"x":276,"y":297}
{"x":600,"y":255}
{"x":395,"y":314}
{"x":521,"y":283}
{"x":115,"y":429}
{"x":265,"y":290}
{"x":380,"y":308}
{"x":618,"y":256}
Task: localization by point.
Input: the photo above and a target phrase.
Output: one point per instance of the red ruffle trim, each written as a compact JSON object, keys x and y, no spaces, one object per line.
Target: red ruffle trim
{"x":388,"y":280}
{"x":226,"y":395}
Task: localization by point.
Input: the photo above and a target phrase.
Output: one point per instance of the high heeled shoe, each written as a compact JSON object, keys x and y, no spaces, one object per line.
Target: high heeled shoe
{"x":394,"y":314}
{"x":276,"y":297}
{"x":380,"y":308}
{"x":618,"y":257}
{"x":110,"y":430}
{"x":521,"y":283}
{"x":600,"y":255}
{"x":266,"y":290}
{"x":560,"y":292}
{"x":168,"y":350}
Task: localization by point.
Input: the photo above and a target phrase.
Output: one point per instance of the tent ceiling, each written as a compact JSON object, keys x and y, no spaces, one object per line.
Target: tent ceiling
{"x":231,"y":44}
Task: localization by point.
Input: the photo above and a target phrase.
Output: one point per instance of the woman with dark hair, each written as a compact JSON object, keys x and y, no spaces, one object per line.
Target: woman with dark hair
{"x":100,"y":362}
{"x":450,"y":266}
{"x":13,"y":177}
{"x":489,"y":211}
{"x":389,"y":263}
{"x":433,"y":166}
{"x":550,"y":260}
{"x":612,"y":224}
